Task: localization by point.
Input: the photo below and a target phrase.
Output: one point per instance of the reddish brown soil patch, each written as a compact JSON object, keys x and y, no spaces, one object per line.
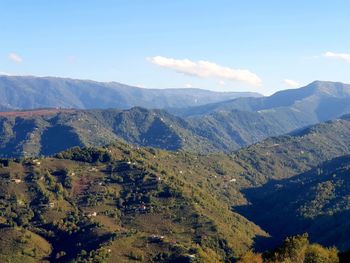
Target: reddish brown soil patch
{"x":81,"y":185}
{"x":31,"y":113}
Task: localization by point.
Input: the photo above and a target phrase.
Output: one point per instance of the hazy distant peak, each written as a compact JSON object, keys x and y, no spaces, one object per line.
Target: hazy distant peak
{"x":30,"y":92}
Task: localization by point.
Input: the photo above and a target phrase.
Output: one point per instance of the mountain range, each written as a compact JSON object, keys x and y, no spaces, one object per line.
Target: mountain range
{"x":249,"y":120}
{"x":221,"y":127}
{"x":29,"y":92}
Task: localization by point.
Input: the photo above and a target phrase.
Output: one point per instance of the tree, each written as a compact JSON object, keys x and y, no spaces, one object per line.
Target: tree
{"x":318,"y":254}
{"x":251,"y":257}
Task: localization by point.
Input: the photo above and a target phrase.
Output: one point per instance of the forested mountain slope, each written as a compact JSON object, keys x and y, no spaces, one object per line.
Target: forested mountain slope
{"x":316,"y":202}
{"x":249,"y":120}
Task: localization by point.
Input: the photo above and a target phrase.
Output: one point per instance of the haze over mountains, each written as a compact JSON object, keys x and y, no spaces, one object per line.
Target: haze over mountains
{"x":316,"y":102}
{"x":28,"y":92}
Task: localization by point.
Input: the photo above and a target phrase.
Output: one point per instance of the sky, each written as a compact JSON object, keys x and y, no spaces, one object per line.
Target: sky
{"x":222,"y":45}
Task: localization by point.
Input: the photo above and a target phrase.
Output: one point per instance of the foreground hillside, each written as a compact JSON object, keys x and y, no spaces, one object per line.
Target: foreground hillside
{"x":29,"y":92}
{"x":117,"y":204}
{"x":125,"y":204}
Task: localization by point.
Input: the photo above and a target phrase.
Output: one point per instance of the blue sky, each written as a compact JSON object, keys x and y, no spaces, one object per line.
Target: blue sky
{"x":261,"y":46}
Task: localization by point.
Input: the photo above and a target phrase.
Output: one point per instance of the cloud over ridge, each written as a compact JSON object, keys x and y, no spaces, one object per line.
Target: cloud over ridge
{"x":206,"y":69}
{"x":340,"y":56}
{"x":291,"y":83}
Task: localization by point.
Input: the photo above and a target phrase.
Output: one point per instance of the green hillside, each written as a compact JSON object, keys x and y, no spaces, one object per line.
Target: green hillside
{"x":285,"y":156}
{"x":21,"y":245}
{"x":119,"y":203}
{"x":316,"y":202}
{"x":46,"y":132}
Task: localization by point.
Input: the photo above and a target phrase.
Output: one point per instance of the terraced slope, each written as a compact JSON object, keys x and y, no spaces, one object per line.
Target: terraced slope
{"x":120,"y":203}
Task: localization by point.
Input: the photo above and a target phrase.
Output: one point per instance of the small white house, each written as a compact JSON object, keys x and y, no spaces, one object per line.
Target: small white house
{"x":93,"y":214}
{"x":17,"y":181}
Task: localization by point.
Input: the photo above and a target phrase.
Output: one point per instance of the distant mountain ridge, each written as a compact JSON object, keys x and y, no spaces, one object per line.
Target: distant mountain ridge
{"x":255,"y":119}
{"x":29,"y":92}
{"x":325,"y":92}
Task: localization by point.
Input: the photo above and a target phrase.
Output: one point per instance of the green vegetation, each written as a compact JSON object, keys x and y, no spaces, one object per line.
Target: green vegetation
{"x":34,"y":135}
{"x":21,"y":245}
{"x":295,"y":250}
{"x":123,"y":203}
{"x":315,"y":202}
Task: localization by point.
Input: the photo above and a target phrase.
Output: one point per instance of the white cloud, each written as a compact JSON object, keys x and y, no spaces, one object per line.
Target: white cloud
{"x":188,"y":85}
{"x":15,"y":58}
{"x":340,"y":56}
{"x":291,"y":83}
{"x":2,"y":73}
{"x":206,"y":69}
